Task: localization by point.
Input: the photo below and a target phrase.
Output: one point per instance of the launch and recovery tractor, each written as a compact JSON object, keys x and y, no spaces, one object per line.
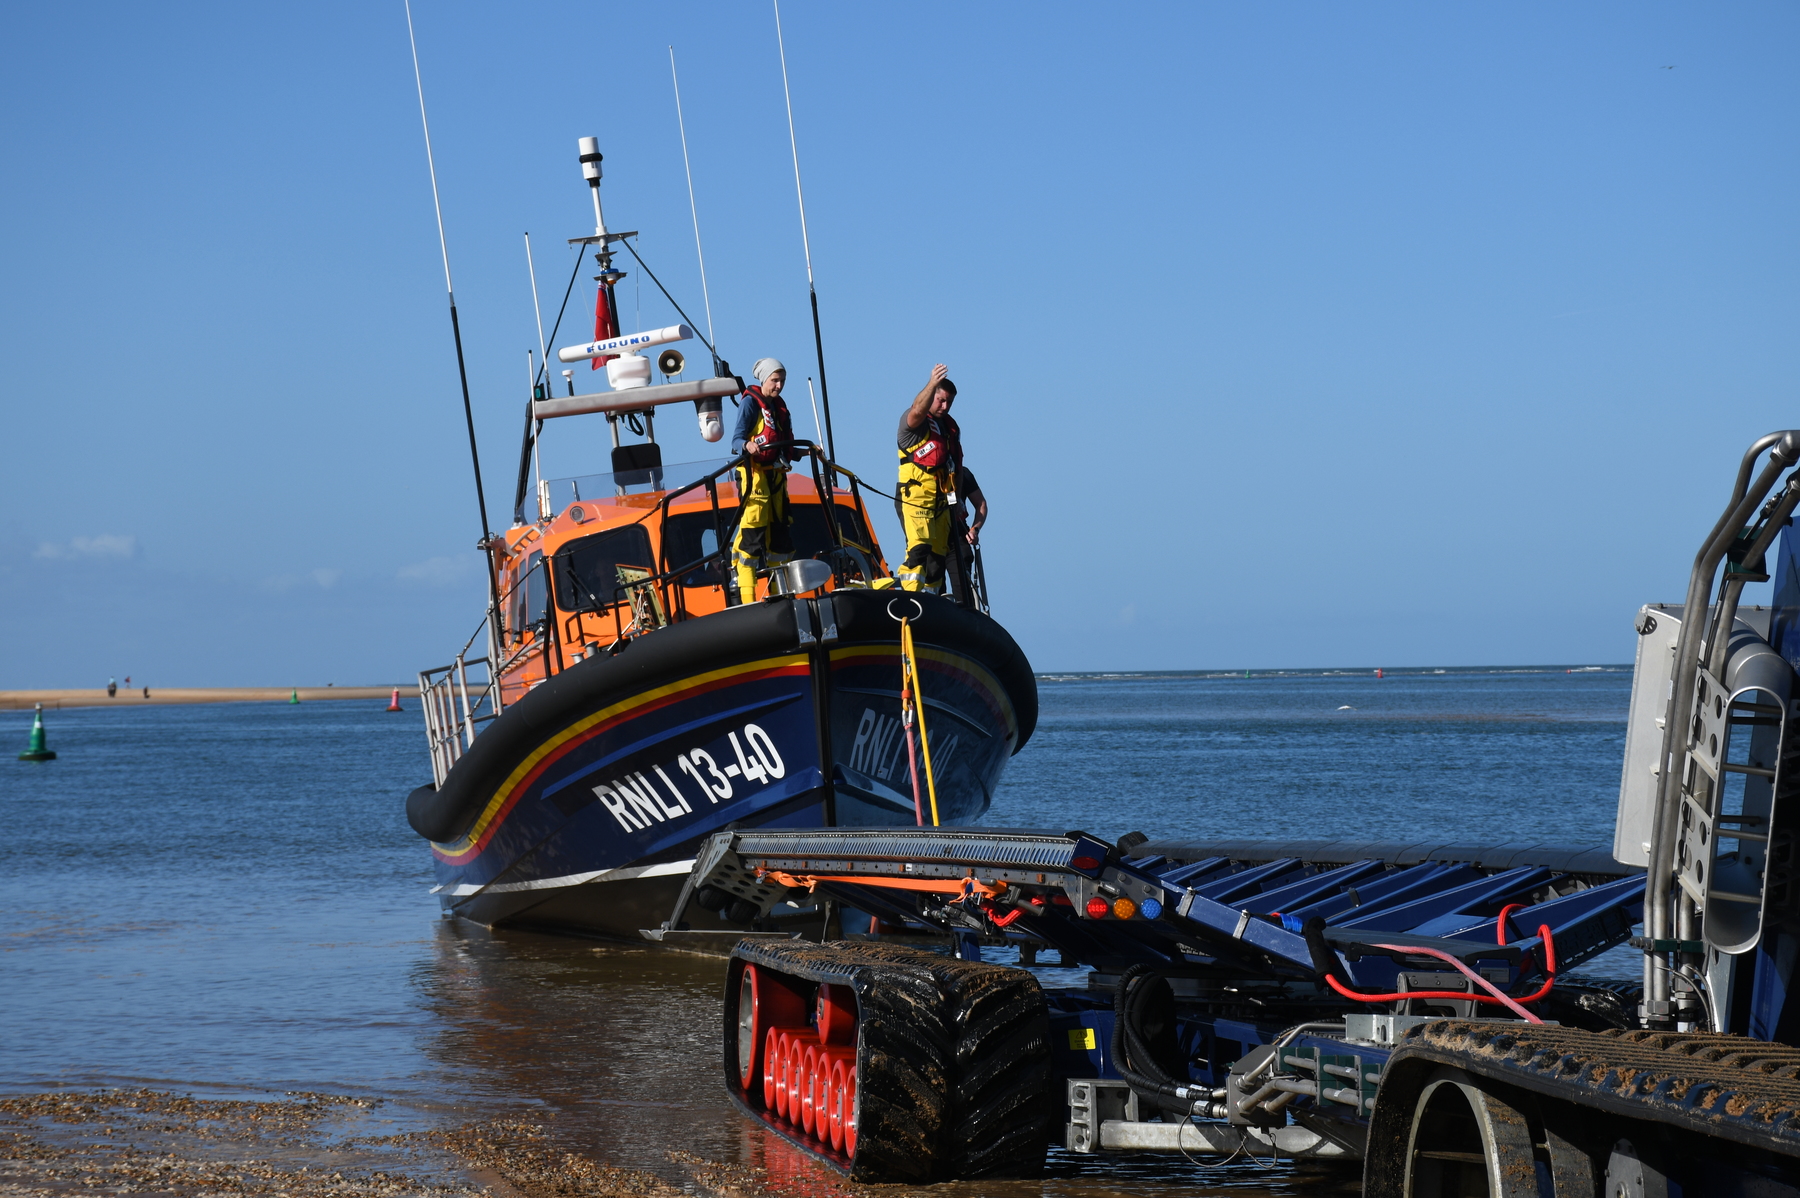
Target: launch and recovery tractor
{"x":1415,"y":1010}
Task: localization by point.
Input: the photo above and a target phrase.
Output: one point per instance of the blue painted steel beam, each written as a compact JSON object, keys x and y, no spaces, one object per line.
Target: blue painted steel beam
{"x":1480,"y":892}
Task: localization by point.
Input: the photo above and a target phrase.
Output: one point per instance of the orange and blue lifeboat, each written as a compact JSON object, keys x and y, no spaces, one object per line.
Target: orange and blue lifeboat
{"x":630,"y":704}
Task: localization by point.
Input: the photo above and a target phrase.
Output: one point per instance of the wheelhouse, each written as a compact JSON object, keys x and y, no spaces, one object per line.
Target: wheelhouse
{"x":599,"y":571}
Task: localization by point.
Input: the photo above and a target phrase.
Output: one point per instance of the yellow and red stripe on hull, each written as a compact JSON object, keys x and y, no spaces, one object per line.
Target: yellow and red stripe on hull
{"x":963,"y":669}
{"x":529,"y":770}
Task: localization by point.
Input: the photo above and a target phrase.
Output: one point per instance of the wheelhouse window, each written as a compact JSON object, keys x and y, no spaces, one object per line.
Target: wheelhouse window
{"x":525,"y":603}
{"x":852,"y":528}
{"x":587,"y":570}
{"x":690,"y":537}
{"x":812,"y":536}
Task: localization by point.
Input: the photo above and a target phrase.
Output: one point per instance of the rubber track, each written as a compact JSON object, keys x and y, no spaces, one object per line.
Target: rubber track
{"x":1728,"y":1086}
{"x":903,"y":1062}
{"x":953,"y":1059}
{"x":1000,"y":1112}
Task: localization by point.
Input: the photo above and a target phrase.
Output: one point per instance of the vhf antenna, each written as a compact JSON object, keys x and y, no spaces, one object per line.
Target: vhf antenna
{"x":706,"y":296}
{"x":456,"y":327}
{"x":444,"y":249}
{"x":805,"y":241}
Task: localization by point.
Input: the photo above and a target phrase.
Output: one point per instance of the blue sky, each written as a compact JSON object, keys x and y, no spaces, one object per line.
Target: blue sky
{"x":1287,"y":335}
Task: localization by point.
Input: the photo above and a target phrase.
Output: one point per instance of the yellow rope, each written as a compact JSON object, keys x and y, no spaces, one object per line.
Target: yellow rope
{"x":912,"y":671}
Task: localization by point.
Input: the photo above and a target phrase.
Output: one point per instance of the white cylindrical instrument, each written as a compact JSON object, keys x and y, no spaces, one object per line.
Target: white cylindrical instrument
{"x":625,"y":344}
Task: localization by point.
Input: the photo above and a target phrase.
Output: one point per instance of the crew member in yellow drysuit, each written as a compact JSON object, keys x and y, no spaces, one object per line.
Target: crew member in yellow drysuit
{"x":932,"y":479}
{"x":766,"y":434}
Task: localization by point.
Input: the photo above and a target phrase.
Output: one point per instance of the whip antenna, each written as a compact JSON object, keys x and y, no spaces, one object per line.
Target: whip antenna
{"x":699,"y":253}
{"x":462,"y":372}
{"x":532,"y":429}
{"x":543,"y":353}
{"x":815,"y":404}
{"x":805,"y":241}
{"x":444,"y":249}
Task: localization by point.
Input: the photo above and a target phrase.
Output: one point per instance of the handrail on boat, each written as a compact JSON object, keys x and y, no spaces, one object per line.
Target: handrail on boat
{"x":673,"y":597}
{"x":452,"y":716}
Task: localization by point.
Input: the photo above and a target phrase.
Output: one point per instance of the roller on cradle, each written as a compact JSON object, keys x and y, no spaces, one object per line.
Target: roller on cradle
{"x":35,"y":750}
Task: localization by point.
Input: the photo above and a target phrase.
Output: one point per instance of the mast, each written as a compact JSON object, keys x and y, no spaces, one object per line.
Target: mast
{"x":590,"y":169}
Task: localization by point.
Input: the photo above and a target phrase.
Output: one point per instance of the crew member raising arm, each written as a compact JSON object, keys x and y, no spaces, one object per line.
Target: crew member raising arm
{"x":932,"y":480}
{"x":766,"y":433}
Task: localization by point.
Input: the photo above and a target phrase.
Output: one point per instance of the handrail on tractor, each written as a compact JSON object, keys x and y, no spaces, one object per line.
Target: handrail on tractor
{"x":1741,"y":537}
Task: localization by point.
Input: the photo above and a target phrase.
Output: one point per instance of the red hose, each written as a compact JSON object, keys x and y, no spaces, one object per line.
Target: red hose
{"x":1549,"y":981}
{"x":1500,"y":923}
{"x":1001,"y":921}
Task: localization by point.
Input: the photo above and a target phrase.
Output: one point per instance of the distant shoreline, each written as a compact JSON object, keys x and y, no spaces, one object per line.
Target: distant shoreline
{"x":134,"y":697}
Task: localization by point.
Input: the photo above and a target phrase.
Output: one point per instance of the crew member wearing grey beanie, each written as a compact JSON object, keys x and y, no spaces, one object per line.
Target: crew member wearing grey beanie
{"x":765,"y":434}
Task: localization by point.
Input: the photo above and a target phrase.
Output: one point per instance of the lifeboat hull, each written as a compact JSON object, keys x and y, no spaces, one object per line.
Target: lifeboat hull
{"x":580,"y":807}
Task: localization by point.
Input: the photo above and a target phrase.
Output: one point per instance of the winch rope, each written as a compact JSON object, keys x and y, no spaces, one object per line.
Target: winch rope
{"x":912,"y":664}
{"x":912,"y":705}
{"x":906,"y":730}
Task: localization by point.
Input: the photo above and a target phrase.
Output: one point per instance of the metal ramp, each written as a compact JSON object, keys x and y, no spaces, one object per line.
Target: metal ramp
{"x":1260,"y":911}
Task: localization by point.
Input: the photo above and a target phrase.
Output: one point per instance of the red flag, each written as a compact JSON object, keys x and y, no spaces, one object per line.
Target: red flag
{"x":604,"y":326}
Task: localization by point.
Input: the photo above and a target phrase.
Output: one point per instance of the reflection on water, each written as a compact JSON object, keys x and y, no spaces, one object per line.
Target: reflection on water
{"x":225,"y":900}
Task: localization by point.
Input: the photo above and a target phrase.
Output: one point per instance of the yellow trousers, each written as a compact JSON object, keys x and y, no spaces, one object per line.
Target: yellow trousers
{"x":762,"y":536}
{"x":925,"y":515}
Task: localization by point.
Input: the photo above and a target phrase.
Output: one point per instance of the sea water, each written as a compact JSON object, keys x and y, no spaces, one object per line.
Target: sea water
{"x":225,"y":900}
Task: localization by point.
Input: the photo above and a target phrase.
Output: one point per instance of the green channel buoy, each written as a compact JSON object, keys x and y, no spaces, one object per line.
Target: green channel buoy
{"x":35,"y":750}
{"x":295,"y":697}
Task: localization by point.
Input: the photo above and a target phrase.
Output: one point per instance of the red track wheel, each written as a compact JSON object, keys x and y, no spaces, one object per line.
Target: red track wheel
{"x":766,"y":1000}
{"x":792,"y":1086}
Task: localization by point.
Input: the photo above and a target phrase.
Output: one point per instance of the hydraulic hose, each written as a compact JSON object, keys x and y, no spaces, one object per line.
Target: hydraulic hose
{"x":1125,"y":1038}
{"x":1495,"y":997}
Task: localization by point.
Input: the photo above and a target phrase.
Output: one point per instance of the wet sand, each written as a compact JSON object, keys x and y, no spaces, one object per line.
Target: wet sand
{"x":134,"y":697}
{"x":304,"y":1146}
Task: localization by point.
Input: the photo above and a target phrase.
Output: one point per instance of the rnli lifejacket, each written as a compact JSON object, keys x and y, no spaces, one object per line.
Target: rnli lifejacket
{"x":771,"y":441}
{"x":941,"y":450}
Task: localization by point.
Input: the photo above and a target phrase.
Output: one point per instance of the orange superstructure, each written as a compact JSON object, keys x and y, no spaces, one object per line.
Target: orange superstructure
{"x":602,"y":570}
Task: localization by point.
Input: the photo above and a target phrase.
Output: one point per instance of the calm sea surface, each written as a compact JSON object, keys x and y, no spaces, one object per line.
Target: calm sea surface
{"x":226,"y":900}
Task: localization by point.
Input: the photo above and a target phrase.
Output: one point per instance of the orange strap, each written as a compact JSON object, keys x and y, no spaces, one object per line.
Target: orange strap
{"x":956,"y":886}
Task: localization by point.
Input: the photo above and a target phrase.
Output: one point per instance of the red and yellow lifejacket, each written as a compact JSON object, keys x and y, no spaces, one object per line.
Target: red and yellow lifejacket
{"x":771,"y":441}
{"x":941,"y":451}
